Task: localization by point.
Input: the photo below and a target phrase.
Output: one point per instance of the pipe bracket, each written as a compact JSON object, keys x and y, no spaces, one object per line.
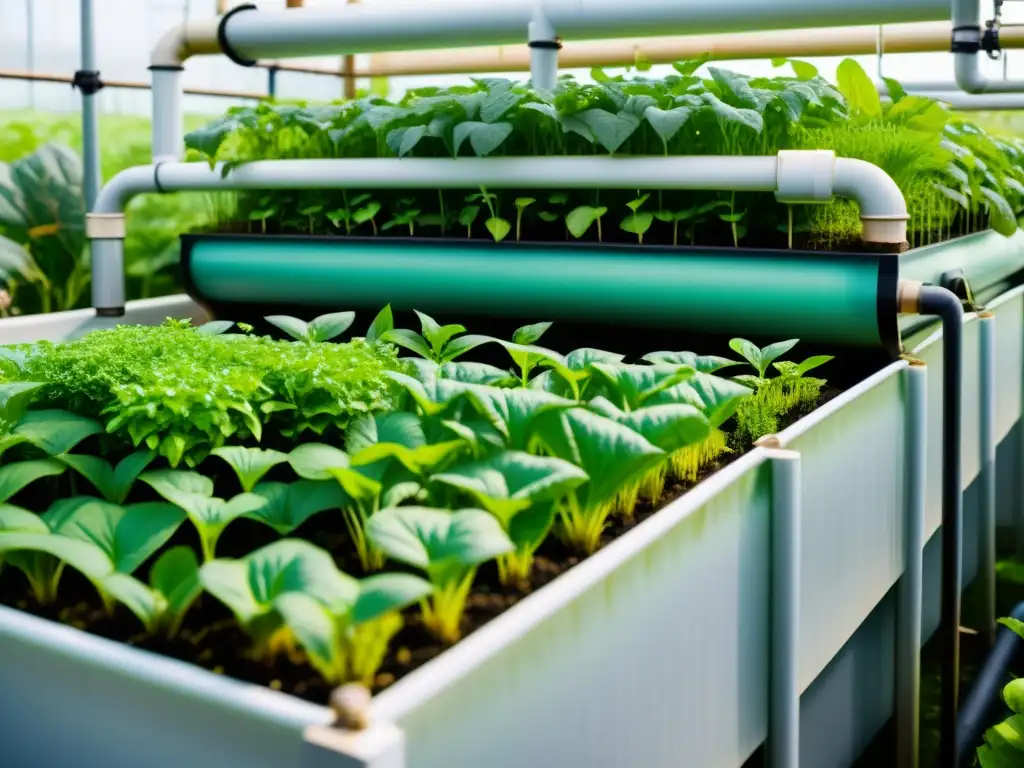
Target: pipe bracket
{"x":805,"y":176}
{"x":105,"y":226}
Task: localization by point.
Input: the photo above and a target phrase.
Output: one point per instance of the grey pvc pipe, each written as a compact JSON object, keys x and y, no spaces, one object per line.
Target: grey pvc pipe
{"x":987,"y":474}
{"x":966,"y":18}
{"x":91,"y":179}
{"x":796,"y":176}
{"x":544,"y":46}
{"x":168,"y":121}
{"x":783,"y":745}
{"x":910,"y":588}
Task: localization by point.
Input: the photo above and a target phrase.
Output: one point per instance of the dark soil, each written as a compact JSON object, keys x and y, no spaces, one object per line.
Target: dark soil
{"x":210,"y":637}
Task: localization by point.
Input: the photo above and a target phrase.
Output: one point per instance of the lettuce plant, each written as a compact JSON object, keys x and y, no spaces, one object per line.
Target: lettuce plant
{"x":292,"y":591}
{"x":613,"y":456}
{"x":448,"y":547}
{"x":522,"y":491}
{"x":193,"y":493}
{"x":93,"y":536}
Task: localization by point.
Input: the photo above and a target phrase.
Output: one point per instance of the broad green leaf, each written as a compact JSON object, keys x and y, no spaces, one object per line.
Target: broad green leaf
{"x":382,"y":323}
{"x":1013,"y":695}
{"x":433,"y":539}
{"x":1001,"y":216}
{"x":730,"y":115}
{"x":148,"y":605}
{"x":127,"y":471}
{"x":633,"y":385}
{"x":580,"y":359}
{"x":856,"y":86}
{"x":409,"y":340}
{"x":399,"y":427}
{"x":700,"y":363}
{"x":250,"y":464}
{"x":498,"y":227}
{"x":14,"y":477}
{"x":97,"y":471}
{"x":610,"y":130}
{"x":293,"y":326}
{"x":715,"y":397}
{"x":15,"y":397}
{"x":214,"y":327}
{"x":476,"y":373}
{"x":313,"y":461}
{"x":83,"y":556}
{"x":811,"y":363}
{"x":56,"y":432}
{"x":460,"y":346}
{"x":289,"y":505}
{"x":327,"y":327}
{"x":175,"y":575}
{"x":126,"y":535}
{"x":437,"y":335}
{"x":17,"y":519}
{"x":669,"y":427}
{"x":1011,"y":732}
{"x":429,"y":397}
{"x":512,"y":412}
{"x":667,"y":122}
{"x":582,"y":218}
{"x":250,"y":585}
{"x":165,"y":481}
{"x":387,"y":592}
{"x":417,"y":460}
{"x":530,"y":334}
{"x":637,"y":223}
{"x":484,"y":138}
{"x":1014,"y":625}
{"x":610,"y":454}
{"x":511,"y":481}
{"x":9,"y":441}
{"x":315,"y":629}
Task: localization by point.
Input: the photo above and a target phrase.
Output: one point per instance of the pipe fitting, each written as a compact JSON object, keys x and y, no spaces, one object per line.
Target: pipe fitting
{"x":908,"y":297}
{"x":105,"y":226}
{"x":805,"y":176}
{"x":184,"y":41}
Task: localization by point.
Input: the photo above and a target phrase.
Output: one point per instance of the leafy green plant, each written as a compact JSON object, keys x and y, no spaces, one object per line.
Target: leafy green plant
{"x":193,"y":493}
{"x":637,"y":222}
{"x":323,"y":328}
{"x":448,"y":547}
{"x":435,"y":342}
{"x":522,"y":492}
{"x":1004,"y":742}
{"x":292,"y":591}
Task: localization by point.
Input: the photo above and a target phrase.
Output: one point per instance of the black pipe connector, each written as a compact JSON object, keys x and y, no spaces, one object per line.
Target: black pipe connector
{"x":87,"y":81}
{"x":981,"y":705}
{"x":945,"y":305}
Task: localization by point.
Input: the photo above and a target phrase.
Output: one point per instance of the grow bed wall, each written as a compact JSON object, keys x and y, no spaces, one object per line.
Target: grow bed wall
{"x":680,"y":601}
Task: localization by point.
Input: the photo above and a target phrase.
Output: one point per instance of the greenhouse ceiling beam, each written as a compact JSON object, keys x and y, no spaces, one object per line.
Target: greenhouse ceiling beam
{"x":795,"y":176}
{"x":246,"y":34}
{"x":968,"y":42}
{"x":924,"y":37}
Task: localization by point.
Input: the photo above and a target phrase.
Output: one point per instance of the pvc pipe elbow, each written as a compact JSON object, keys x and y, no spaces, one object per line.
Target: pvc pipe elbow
{"x":183,"y":41}
{"x":883,"y":210}
{"x":118,"y":192}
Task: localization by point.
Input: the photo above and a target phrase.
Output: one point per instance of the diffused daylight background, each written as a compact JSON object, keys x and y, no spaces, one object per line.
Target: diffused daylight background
{"x":42,"y":36}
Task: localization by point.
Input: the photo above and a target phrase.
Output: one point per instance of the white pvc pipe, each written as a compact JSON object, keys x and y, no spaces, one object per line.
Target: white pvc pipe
{"x":795,"y":176}
{"x":411,"y":24}
{"x":966,"y":17}
{"x":168,"y":121}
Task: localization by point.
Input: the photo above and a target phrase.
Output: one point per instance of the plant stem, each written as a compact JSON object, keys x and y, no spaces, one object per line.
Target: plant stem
{"x":440,"y":200}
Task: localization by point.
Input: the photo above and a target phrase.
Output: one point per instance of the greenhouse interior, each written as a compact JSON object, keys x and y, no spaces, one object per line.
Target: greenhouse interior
{"x":557,"y":383}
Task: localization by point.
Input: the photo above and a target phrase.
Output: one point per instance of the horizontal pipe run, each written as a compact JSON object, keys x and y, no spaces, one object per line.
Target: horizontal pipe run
{"x":923,"y":37}
{"x":795,"y":176}
{"x":408,"y":24}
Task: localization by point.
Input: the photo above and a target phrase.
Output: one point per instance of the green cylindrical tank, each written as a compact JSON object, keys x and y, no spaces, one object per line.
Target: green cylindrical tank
{"x":835,"y":297}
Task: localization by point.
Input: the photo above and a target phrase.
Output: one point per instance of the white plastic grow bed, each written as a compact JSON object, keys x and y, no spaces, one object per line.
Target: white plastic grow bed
{"x":652,"y":653}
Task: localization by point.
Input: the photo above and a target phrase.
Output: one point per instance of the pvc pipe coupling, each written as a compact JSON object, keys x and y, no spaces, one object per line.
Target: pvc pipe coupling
{"x":816,"y":176}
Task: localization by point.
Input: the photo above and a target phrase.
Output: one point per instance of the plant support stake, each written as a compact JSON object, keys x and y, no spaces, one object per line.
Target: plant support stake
{"x":915,"y":298}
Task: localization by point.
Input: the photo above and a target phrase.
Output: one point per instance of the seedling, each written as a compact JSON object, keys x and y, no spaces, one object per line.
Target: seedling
{"x":448,"y":547}
{"x":435,"y":342}
{"x":637,"y":223}
{"x":323,"y":328}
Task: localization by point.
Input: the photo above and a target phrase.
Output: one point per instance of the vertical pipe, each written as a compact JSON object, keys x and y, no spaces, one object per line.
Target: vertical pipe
{"x":987,"y":475}
{"x":544,"y":47}
{"x":168,"y":136}
{"x":784,"y":688}
{"x":30,"y":50}
{"x":909,"y":591}
{"x":90,"y":120}
{"x":945,"y":305}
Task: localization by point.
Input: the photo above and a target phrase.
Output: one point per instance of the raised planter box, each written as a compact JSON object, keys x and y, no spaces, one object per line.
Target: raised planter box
{"x":680,"y":603}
